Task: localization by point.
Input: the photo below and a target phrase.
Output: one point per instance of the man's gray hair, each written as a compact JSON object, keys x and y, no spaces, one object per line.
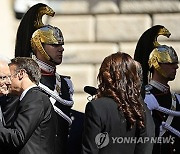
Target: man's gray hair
{"x":29,"y":65}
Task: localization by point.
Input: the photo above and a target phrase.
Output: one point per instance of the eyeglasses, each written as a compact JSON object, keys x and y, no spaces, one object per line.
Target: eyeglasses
{"x":5,"y":77}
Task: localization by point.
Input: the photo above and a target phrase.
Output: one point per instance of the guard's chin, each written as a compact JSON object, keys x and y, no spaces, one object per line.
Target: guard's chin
{"x":58,"y":62}
{"x":171,"y":78}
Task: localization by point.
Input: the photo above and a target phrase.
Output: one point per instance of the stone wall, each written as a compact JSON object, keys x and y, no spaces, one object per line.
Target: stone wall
{"x":94,"y":29}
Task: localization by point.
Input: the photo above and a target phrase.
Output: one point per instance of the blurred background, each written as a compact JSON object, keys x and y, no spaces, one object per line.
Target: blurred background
{"x":93,"y":29}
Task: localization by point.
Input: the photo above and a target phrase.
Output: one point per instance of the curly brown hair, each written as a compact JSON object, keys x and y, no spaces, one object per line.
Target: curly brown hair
{"x":119,"y":79}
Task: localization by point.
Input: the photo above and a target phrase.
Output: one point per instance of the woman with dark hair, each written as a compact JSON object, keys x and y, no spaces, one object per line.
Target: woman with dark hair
{"x":115,"y":120}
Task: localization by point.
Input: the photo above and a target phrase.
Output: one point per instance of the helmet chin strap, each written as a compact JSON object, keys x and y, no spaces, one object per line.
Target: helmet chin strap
{"x":162,"y":72}
{"x":47,"y":56}
{"x":158,"y":68}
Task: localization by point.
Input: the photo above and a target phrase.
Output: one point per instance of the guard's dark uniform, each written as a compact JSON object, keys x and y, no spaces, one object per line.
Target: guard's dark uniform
{"x":165,"y":100}
{"x":62,"y":124}
{"x":154,"y":58}
{"x":67,"y":141}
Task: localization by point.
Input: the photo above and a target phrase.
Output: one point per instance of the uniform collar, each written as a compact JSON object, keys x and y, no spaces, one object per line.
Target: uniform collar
{"x":45,"y":68}
{"x":163,"y":88}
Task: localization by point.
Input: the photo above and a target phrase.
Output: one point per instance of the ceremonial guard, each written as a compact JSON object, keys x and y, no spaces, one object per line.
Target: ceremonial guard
{"x":44,"y":43}
{"x":161,"y":66}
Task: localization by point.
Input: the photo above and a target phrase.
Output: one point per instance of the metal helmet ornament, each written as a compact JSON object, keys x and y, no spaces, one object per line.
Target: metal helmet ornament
{"x":47,"y":35}
{"x":146,"y":44}
{"x":30,"y":36}
{"x":162,"y":54}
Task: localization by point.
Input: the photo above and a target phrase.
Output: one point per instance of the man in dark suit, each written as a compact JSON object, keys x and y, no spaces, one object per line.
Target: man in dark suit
{"x":33,"y":125}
